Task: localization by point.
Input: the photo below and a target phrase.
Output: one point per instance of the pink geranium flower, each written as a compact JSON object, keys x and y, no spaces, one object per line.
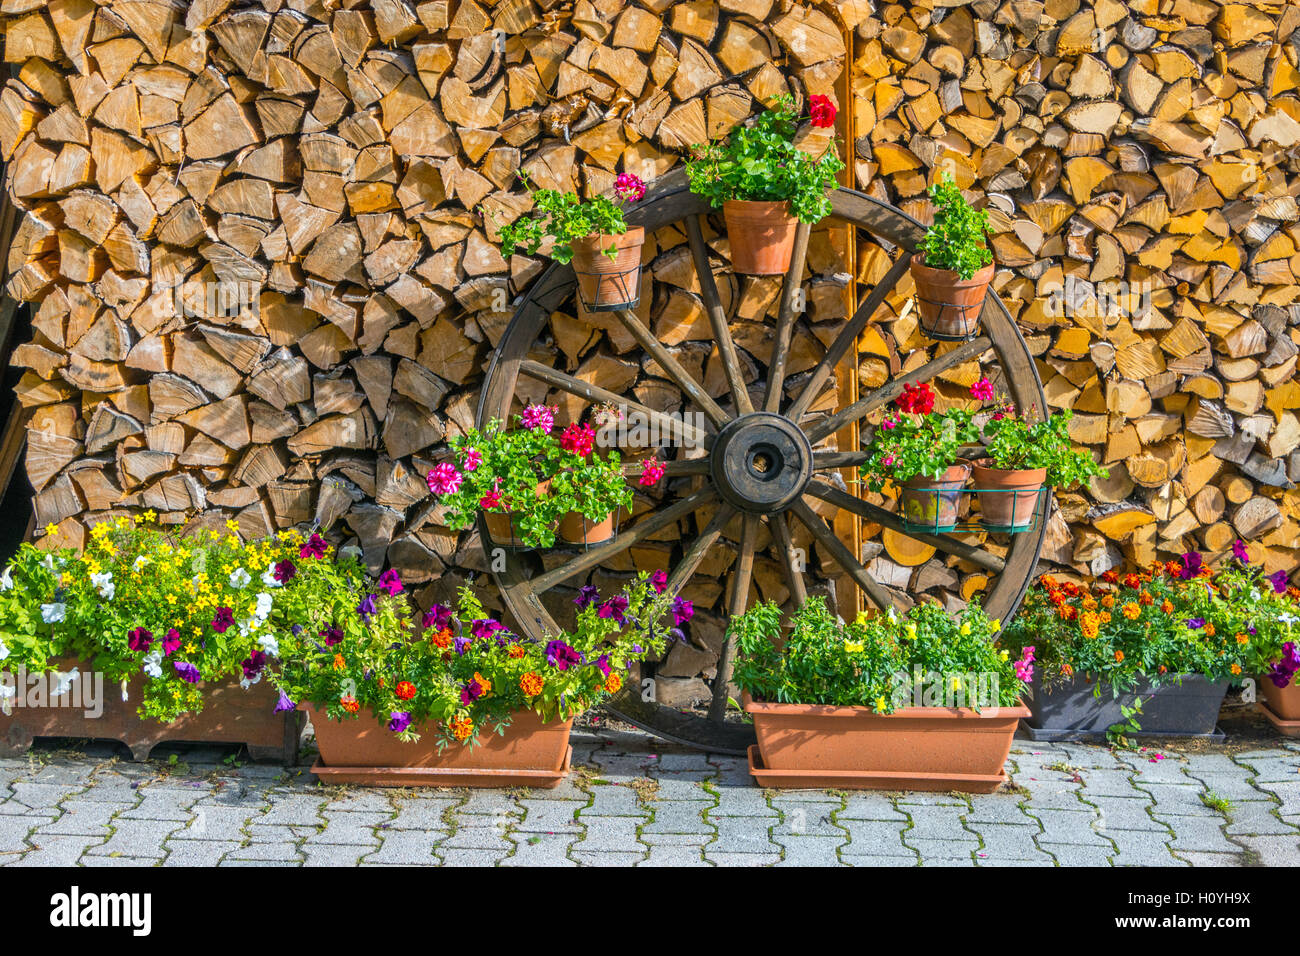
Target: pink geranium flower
{"x":982,"y":390}
{"x":629,"y":188}
{"x":651,"y":472}
{"x":444,"y":479}
{"x":579,"y":439}
{"x":473,"y":458}
{"x":538,"y":417}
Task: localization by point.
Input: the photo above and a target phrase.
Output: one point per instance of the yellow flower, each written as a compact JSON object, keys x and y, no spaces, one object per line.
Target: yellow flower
{"x":233,"y":525}
{"x":149,"y":517}
{"x":964,"y":630}
{"x":995,"y":625}
{"x":1004,"y":655}
{"x":881,"y":706}
{"x":956,"y":683}
{"x":51,"y":529}
{"x":853,"y":648}
{"x":909,"y":633}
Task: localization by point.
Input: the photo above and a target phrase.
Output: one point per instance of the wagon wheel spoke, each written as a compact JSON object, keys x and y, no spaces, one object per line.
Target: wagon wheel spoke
{"x":830,"y":460}
{"x":672,"y":368}
{"x":887,"y":519}
{"x":825,"y":536}
{"x":785,"y":320}
{"x":844,"y":341}
{"x":740,"y":578}
{"x":687,"y":466}
{"x":639,"y":532}
{"x":717,"y":317}
{"x":576,"y":386}
{"x":887,"y":393}
{"x":699,"y":547}
{"x":785,"y":546}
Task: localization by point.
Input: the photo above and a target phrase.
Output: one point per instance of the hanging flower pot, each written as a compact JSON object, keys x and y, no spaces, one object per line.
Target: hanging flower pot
{"x":949,"y":306}
{"x":761,"y":235}
{"x":934,"y":504}
{"x":576,"y":529}
{"x":608,"y":281}
{"x":1008,"y":497}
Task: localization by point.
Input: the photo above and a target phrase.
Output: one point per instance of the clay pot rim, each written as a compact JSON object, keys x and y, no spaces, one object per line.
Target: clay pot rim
{"x":977,"y":465}
{"x":948,"y":276}
{"x":925,"y":481}
{"x":634,"y":236}
{"x":757,"y":205}
{"x":844,"y":711}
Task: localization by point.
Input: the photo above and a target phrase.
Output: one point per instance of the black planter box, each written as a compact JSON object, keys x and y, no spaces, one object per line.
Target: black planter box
{"x":1069,"y":711}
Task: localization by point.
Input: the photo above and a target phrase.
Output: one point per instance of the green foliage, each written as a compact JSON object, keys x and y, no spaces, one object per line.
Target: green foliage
{"x":907,"y":445}
{"x":459,"y":675}
{"x":876,"y":662}
{"x":1117,"y":734}
{"x":760,"y":162}
{"x":956,"y":240}
{"x":1121,"y":630}
{"x":1014,"y":444}
{"x":594,"y":487}
{"x":562,"y":217}
{"x":133,"y":575}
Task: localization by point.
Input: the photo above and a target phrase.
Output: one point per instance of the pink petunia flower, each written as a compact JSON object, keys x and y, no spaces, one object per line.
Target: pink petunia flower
{"x":444,"y":479}
{"x":391,"y":582}
{"x":629,"y":188}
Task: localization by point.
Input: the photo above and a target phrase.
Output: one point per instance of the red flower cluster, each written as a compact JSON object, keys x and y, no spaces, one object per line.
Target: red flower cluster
{"x":917,"y":399}
{"x":821,"y":110}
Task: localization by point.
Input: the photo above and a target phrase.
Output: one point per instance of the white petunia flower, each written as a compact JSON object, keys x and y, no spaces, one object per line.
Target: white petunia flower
{"x":152,"y":667}
{"x":124,"y":688}
{"x":270,"y":644}
{"x":239,"y":578}
{"x":7,"y":580}
{"x":7,"y":695}
{"x":4,"y":651}
{"x":268,"y":578}
{"x":263,"y":609}
{"x":48,"y":563}
{"x":245,"y":683}
{"x":104,"y":585}
{"x":53,"y":613}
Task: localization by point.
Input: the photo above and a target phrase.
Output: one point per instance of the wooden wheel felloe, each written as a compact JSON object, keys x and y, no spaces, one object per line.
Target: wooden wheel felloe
{"x":755,"y":471}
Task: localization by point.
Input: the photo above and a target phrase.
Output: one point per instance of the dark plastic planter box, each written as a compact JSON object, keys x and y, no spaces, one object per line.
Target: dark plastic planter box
{"x":1069,"y":710}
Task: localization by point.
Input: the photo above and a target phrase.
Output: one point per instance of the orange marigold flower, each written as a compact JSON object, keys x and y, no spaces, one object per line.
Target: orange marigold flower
{"x":1108,"y":601}
{"x":1131,"y":611}
{"x":1110,"y":577}
{"x":461,"y":727}
{"x":1070,"y":588}
{"x":613,"y":683}
{"x":1163,"y":669}
{"x":1167,"y":606}
{"x":483,"y":683}
{"x":1293,"y":592}
{"x":1066,"y":613}
{"x":1067,"y":670}
{"x":1047,"y":581}
{"x":1236,"y":668}
{"x":405,"y":690}
{"x":1089,"y":604}
{"x":349,"y":703}
{"x":1173,"y":567}
{"x":1104,"y":616}
{"x":1119,"y":656}
{"x":1146,"y":599}
{"x":1209,"y":629}
{"x":531,"y":684}
{"x":1132,"y":581}
{"x":516,"y":651}
{"x":441,"y":638}
{"x":339,"y":663}
{"x":1243,"y":639}
{"x":1088,"y":624}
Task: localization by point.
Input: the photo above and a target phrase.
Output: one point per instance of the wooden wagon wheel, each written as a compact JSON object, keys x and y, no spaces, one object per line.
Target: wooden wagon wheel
{"x":762,"y":463}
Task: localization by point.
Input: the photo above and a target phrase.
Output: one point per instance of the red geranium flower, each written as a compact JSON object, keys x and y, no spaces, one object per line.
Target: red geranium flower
{"x":822,"y":111}
{"x":917,"y":399}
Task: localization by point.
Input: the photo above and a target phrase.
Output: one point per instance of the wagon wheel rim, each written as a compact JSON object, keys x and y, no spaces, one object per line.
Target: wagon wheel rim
{"x":737,"y":430}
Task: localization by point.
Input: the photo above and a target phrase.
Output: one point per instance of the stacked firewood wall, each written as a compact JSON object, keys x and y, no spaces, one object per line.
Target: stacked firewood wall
{"x":1140,"y":166}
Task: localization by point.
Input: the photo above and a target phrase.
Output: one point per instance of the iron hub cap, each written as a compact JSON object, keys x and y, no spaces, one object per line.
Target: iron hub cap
{"x":761,"y":462}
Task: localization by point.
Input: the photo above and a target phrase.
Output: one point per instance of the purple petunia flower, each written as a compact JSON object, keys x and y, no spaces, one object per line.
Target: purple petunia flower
{"x":391,"y":582}
{"x":367,"y":607}
{"x":470,"y":691}
{"x":332,"y":634}
{"x":1191,"y":565}
{"x":253,"y":664}
{"x":683,"y":610}
{"x":587,"y":594}
{"x":171,"y":642}
{"x":1195,"y":623}
{"x":284,"y":704}
{"x":223,"y":619}
{"x":1239,"y":551}
{"x":462,"y":644}
{"x":1279,"y":581}
{"x":285,"y":571}
{"x":139,"y":640}
{"x":187,"y":672}
{"x":659,"y":581}
{"x":399,"y":721}
{"x":314,"y":548}
{"x":561,"y":656}
{"x":485,"y":627}
{"x":614,"y":608}
{"x":1285,"y":669}
{"x":437,"y":617}
{"x":602,"y":664}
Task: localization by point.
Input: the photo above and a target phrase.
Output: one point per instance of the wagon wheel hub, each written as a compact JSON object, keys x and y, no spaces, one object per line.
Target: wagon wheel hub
{"x":761,"y":462}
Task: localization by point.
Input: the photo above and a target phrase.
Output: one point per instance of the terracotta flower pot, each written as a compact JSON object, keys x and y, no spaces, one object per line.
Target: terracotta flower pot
{"x":503,"y":527}
{"x":949,"y":306}
{"x":1007,"y":498}
{"x":934,"y":505}
{"x":576,"y":529}
{"x":609,"y":282}
{"x":914,"y":748}
{"x":761,"y":235}
{"x":364,"y":750}
{"x":1281,"y":705}
{"x":230,"y":715}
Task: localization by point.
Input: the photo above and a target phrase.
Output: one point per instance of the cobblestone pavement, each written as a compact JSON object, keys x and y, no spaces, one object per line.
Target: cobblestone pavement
{"x":631,"y":801}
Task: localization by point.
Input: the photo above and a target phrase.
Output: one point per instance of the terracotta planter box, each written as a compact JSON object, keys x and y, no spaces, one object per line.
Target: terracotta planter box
{"x":1281,"y":705}
{"x":230,"y":715}
{"x":1064,"y":711}
{"x":365,"y":751}
{"x":914,"y":748}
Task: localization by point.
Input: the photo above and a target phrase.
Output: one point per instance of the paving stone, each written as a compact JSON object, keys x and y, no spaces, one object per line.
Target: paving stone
{"x":159,"y":803}
{"x":294,"y":808}
{"x":1273,"y":850}
{"x":549,"y":816}
{"x":1257,"y":819}
{"x":807,"y":818}
{"x":333,"y":854}
{"x":138,"y":838}
{"x":362,"y":801}
{"x":697,"y":840}
{"x":937,"y":823}
{"x":1009,"y":842}
{"x":923,"y":799}
{"x":1109,"y":783}
{"x":874,"y":861}
{"x":869,"y":806}
{"x":674,"y":856}
{"x":737,"y":802}
{"x":621,"y":858}
{"x":997,"y":808}
{"x":197,"y":852}
{"x":57,"y":850}
{"x":1043,"y":859}
{"x":680,"y":816}
{"x":808,"y":850}
{"x":1066,"y":855}
{"x":217,"y":823}
{"x":1181,"y":800}
{"x":875,"y":838}
{"x":1211,"y":859}
{"x":1068,"y":826}
{"x":932,"y":850}
{"x":608,"y":834}
{"x":722,"y":858}
{"x":479,"y":838}
{"x":120,"y":861}
{"x":611,"y":800}
{"x":1124,"y":813}
{"x":1141,"y":848}
{"x":84,"y":817}
{"x":265,"y":853}
{"x":1202,"y":763}
{"x":738,"y":835}
{"x":1199,"y":833}
{"x":406,"y":847}
{"x":1155,"y":766}
{"x":1053,"y":795}
{"x":679,"y":762}
{"x":1235,"y":787}
{"x":37,"y":796}
{"x":677,"y":786}
{"x":352,"y":827}
{"x":1288,"y":794}
{"x":490,"y":803}
{"x":539,"y":849}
